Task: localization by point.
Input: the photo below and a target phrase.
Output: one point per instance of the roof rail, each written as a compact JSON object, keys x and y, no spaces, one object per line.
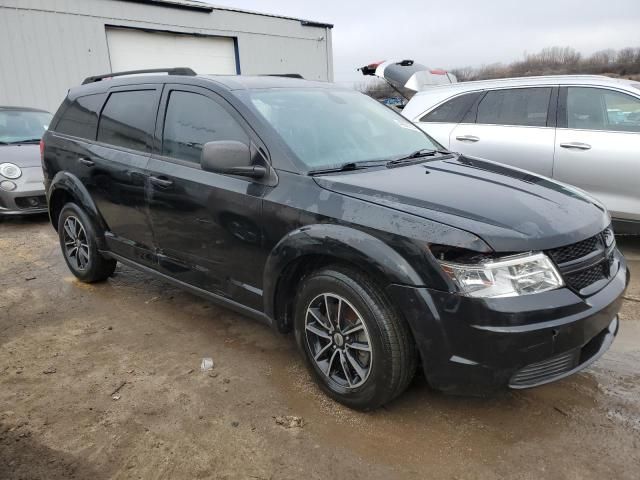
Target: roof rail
{"x":169,"y":71}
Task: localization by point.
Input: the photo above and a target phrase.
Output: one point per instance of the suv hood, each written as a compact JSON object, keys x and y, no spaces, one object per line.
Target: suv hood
{"x":23,"y":155}
{"x":512,"y":210}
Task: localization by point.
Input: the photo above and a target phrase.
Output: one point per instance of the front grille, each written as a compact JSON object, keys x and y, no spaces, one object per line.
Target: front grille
{"x":38,"y":201}
{"x":584,"y":278}
{"x":584,"y":263}
{"x":575,"y":251}
{"x":546,"y":370}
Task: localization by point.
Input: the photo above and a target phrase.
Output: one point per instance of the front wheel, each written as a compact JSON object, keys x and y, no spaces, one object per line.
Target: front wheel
{"x":359,"y":350}
{"x":78,"y":242}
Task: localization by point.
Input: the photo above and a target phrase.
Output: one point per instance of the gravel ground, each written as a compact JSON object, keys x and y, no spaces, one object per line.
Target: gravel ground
{"x":104,"y":381}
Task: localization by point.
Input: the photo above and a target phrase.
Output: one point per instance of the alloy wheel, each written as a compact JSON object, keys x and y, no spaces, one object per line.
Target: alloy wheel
{"x":338,"y":340}
{"x":76,"y":245}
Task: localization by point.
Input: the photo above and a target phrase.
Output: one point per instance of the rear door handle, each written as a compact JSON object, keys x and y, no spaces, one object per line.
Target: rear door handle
{"x":161,"y":181}
{"x":86,"y":162}
{"x":576,"y":145}
{"x":467,"y":138}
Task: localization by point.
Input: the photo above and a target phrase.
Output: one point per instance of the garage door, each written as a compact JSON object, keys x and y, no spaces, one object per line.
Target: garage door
{"x":136,"y":50}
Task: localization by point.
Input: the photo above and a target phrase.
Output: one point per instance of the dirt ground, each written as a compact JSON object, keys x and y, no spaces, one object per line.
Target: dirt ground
{"x":66,"y":347}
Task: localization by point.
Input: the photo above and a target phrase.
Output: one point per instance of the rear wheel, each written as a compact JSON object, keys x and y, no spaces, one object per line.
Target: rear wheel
{"x":78,"y":242}
{"x":358,"y":349}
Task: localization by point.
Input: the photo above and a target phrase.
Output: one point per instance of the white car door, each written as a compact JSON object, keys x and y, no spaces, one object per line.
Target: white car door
{"x":441,"y":120}
{"x":598,"y":146}
{"x":515,"y":126}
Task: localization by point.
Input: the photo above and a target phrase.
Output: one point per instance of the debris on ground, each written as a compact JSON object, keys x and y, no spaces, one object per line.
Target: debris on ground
{"x":49,"y":371}
{"x":190,"y":371}
{"x":289,"y":421}
{"x":207,"y":364}
{"x":115,"y":395}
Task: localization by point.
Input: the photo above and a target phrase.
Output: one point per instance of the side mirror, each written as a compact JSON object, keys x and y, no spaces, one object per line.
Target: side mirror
{"x":230,"y":157}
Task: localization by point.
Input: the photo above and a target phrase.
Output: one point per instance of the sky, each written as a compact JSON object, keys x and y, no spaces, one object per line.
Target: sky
{"x":458,"y":33}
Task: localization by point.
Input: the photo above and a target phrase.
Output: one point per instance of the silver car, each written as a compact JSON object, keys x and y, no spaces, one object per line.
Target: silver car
{"x":583,"y":130}
{"x":21,"y":179}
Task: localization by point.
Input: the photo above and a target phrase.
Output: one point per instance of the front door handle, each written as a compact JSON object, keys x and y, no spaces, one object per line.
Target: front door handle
{"x":86,"y":162}
{"x":576,"y":145}
{"x":467,"y":138}
{"x":161,"y":181}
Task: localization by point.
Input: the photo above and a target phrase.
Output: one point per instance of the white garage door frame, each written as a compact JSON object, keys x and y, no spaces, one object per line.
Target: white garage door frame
{"x":108,"y":27}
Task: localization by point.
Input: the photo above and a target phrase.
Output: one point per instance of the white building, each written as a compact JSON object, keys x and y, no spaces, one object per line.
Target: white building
{"x":47,"y":46}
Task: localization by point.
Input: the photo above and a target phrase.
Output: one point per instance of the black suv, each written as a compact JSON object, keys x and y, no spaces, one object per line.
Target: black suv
{"x":319,"y":211}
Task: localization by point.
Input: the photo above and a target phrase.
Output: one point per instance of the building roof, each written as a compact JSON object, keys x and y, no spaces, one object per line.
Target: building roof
{"x":206,"y":7}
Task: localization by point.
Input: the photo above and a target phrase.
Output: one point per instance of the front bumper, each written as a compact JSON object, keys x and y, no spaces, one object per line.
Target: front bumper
{"x":29,"y":196}
{"x":474,"y":345}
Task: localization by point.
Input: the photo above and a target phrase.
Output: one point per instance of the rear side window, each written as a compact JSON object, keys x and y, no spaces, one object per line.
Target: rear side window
{"x":193,"y":120}
{"x":518,"y":106}
{"x":602,"y":109}
{"x":128,"y":120}
{"x":452,"y":111}
{"x":80,"y":119}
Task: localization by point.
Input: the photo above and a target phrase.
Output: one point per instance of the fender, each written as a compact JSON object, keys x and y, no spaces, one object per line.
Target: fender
{"x":340,"y":242}
{"x":69,"y":184}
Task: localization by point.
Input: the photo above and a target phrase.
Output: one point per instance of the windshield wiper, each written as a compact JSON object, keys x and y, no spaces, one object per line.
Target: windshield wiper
{"x":345,"y":167}
{"x":412,"y":157}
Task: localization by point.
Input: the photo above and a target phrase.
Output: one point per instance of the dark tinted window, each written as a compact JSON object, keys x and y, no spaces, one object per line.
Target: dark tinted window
{"x":128,"y":119}
{"x":601,"y":109}
{"x":193,"y":120}
{"x":80,"y":119}
{"x":518,"y":106}
{"x":452,"y":111}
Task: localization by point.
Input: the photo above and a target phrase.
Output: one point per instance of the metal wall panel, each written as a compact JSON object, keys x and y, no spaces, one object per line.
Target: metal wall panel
{"x":47,"y":46}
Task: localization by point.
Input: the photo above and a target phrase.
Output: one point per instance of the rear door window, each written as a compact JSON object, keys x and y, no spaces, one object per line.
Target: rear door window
{"x":601,"y":109}
{"x":128,"y":119}
{"x":517,"y":106}
{"x":191,"y":121}
{"x":452,"y":111}
{"x":80,"y":119}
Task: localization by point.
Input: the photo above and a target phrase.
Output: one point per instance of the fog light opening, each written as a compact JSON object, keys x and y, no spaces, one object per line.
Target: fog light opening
{"x":8,"y":185}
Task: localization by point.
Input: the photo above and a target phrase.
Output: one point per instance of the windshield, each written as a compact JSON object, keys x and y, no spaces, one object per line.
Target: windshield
{"x":22,"y":125}
{"x":328,"y":128}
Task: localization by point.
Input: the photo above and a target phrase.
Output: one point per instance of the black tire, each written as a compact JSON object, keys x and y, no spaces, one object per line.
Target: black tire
{"x":89,"y":268}
{"x":390,"y":364}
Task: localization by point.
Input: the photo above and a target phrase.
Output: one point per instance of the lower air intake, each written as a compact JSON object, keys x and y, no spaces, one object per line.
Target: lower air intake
{"x":540,"y":372}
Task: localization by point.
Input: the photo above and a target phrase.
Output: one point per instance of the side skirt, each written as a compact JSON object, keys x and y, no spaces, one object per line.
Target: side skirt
{"x":220,"y":300}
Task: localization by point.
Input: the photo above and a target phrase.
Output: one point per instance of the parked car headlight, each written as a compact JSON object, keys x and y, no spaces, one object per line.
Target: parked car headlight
{"x":9,"y":170}
{"x":506,"y":277}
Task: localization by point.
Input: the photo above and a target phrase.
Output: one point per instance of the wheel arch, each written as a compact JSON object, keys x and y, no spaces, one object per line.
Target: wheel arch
{"x":314,"y":246}
{"x":66,"y":187}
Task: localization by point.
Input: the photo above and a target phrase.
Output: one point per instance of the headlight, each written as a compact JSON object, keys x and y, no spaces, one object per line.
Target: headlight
{"x":9,"y":170}
{"x":506,"y":277}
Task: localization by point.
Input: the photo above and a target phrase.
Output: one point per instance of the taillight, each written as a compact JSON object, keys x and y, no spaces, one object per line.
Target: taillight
{"x":42,"y":149}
